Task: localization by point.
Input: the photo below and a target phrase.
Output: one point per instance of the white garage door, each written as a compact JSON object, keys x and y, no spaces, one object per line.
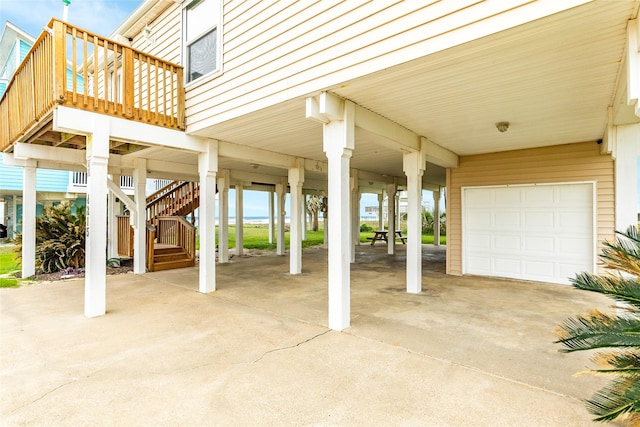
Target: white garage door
{"x":532,"y":232}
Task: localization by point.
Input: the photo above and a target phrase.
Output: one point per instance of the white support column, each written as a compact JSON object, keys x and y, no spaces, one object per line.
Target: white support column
{"x":28,"y":219}
{"x":380,"y":216}
{"x":436,"y":218}
{"x":304,"y":216}
{"x":140,"y":224}
{"x":414,"y":165}
{"x":325,"y":228}
{"x":280,"y":193}
{"x":112,"y":222}
{"x":223,"y":217}
{"x":207,"y":168}
{"x":338,"y":145}
{"x":627,"y":150}
{"x":14,"y":216}
{"x":96,"y":231}
{"x":391,"y":216}
{"x":355,"y":214}
{"x":296,"y":179}
{"x":239,"y":220}
{"x":271,"y":218}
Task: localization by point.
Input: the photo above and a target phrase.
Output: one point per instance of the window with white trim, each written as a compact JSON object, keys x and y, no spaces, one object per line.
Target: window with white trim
{"x":201,"y":19}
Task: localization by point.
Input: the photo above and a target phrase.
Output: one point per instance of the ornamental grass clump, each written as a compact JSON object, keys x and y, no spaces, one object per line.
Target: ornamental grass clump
{"x":60,"y":238}
{"x":618,"y":333}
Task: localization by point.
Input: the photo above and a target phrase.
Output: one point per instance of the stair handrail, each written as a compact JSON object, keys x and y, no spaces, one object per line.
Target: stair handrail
{"x":164,"y":190}
{"x":171,"y":199}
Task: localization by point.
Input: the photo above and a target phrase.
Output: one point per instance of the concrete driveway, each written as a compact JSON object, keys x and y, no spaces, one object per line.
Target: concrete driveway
{"x":466,"y":351}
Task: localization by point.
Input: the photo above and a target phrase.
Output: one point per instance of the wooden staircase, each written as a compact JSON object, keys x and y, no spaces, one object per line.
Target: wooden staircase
{"x":171,"y":239}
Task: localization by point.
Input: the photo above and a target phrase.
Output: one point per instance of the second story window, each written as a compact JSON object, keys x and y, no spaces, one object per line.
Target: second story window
{"x":201,"y":18}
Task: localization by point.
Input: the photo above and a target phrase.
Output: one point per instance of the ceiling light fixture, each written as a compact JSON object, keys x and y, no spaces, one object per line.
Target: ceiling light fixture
{"x":502,"y":126}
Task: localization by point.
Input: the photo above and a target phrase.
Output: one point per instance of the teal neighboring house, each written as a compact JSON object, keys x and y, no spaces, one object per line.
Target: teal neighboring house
{"x":52,"y":186}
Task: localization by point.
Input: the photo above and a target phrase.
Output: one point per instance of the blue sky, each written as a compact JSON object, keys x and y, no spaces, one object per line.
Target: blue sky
{"x":99,"y":16}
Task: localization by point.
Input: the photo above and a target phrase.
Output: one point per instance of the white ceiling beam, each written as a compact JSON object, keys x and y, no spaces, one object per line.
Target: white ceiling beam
{"x":331,"y":106}
{"x":396,"y":135}
{"x":51,"y":154}
{"x":439,"y":155}
{"x":242,"y":176}
{"x":255,"y":155}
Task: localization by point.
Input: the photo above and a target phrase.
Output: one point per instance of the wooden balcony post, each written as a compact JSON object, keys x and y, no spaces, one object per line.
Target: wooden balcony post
{"x":127,"y":75}
{"x":59,"y":61}
{"x":182,"y":123}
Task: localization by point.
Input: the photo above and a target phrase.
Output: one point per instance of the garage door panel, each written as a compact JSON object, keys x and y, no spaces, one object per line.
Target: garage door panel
{"x":539,"y":196}
{"x":506,"y":219}
{"x":480,"y":265}
{"x":539,"y":244}
{"x":539,"y":220}
{"x":480,"y":241}
{"x":575,"y":196}
{"x":537,"y":232}
{"x":480,"y":219}
{"x":509,"y":243}
{"x":575,"y":221}
{"x":507,"y":197}
{"x":577,"y":247}
{"x":540,"y":269}
{"x":507,"y":267}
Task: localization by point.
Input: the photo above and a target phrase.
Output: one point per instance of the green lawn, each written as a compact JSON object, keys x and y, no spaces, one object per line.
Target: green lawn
{"x":257,"y":237}
{"x":8,"y":265}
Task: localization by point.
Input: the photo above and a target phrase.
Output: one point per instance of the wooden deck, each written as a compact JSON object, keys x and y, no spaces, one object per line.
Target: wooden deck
{"x":75,"y":68}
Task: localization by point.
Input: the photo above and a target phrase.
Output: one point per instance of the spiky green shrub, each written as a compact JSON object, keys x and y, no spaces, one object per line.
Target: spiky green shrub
{"x":620,"y":332}
{"x":60,"y":238}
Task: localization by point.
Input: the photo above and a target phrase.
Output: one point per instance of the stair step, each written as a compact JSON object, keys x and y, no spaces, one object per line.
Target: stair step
{"x":165,"y":249}
{"x":170,"y":257}
{"x":159,"y":266}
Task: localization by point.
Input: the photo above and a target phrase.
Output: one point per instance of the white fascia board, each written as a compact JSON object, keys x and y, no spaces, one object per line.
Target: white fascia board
{"x":9,"y":160}
{"x":71,"y":120}
{"x":438,"y":155}
{"x":397,"y":136}
{"x":242,"y":176}
{"x":316,"y":166}
{"x":25,"y":151}
{"x":375,"y":177}
{"x":255,"y":155}
{"x":159,"y":167}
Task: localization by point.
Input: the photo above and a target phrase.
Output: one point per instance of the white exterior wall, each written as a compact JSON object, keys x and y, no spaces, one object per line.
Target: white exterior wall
{"x":275,"y":51}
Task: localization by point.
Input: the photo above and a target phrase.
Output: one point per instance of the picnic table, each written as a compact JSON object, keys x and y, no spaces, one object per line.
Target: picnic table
{"x":383,"y":235}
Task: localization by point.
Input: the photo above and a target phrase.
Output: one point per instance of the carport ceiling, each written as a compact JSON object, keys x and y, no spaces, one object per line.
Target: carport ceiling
{"x":552,"y":79}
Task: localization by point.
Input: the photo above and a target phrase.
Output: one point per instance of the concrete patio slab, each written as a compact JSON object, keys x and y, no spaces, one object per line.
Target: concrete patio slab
{"x":466,"y":351}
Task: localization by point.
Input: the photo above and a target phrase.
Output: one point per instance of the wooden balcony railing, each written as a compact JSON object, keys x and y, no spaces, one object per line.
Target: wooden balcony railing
{"x":76,"y":68}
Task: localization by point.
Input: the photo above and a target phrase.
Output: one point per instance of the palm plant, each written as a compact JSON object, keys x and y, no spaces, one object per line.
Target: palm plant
{"x":60,"y":238}
{"x":619,"y":333}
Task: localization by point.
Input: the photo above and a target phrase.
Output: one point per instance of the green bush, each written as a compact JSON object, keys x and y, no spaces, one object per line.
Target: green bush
{"x":616,"y":335}
{"x":60,"y":238}
{"x":365,"y":228}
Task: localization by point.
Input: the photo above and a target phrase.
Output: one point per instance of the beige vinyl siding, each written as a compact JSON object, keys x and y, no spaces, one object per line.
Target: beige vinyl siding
{"x":556,"y":164}
{"x":166,"y":33}
{"x":278,"y":50}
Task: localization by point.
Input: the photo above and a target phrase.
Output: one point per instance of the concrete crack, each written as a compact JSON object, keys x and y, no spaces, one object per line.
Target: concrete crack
{"x":44,"y":395}
{"x":291,"y":346}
